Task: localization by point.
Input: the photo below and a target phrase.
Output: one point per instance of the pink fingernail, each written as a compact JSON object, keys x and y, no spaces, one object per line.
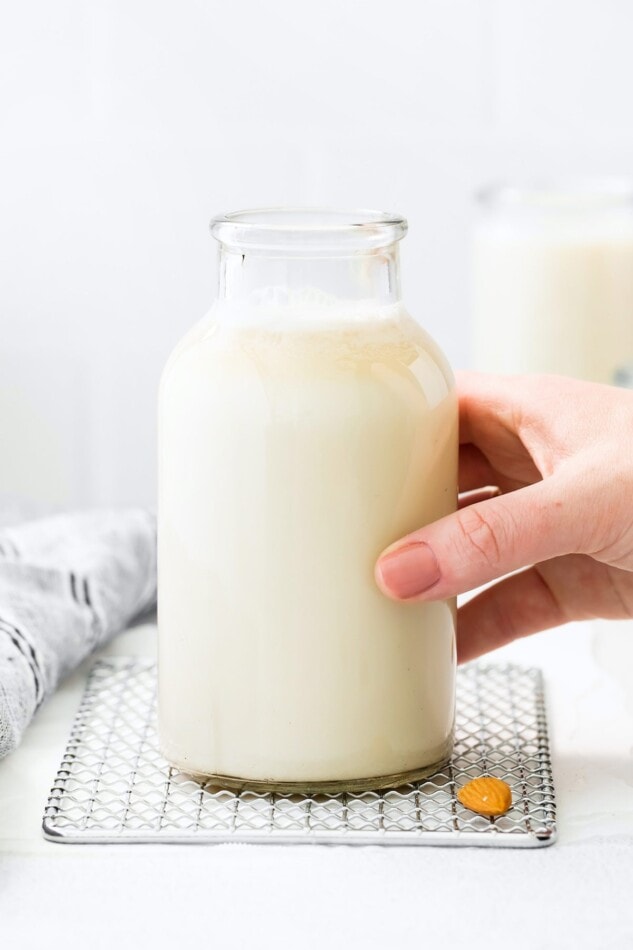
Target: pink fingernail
{"x":409,"y":571}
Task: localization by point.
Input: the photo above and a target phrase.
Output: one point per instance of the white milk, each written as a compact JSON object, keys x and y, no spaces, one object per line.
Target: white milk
{"x":554,"y":294}
{"x":290,"y":457}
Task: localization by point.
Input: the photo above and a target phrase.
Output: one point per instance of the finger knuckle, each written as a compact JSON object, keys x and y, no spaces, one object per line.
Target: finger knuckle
{"x":479,"y":537}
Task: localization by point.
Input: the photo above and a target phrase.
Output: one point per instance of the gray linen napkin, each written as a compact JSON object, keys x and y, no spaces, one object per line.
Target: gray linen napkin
{"x":67,"y":584}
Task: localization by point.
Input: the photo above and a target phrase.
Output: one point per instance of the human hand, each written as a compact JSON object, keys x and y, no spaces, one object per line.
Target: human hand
{"x":561,"y":453}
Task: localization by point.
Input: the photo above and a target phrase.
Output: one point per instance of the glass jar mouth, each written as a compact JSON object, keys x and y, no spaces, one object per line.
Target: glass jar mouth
{"x":304,"y":230}
{"x":559,"y":195}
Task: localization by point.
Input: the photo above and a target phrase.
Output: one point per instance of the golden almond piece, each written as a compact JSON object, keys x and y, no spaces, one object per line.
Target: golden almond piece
{"x":486,"y":795}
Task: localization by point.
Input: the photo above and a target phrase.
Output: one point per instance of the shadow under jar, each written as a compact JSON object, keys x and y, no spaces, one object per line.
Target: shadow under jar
{"x":305,"y":423}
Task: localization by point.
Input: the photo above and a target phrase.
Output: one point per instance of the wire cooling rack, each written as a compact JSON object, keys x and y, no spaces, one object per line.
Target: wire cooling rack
{"x":114,"y":786}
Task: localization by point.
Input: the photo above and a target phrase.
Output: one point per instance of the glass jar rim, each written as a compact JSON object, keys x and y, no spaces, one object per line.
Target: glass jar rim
{"x":298,"y":229}
{"x":558,"y":195}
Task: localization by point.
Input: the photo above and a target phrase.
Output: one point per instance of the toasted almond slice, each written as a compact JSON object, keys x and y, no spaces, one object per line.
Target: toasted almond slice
{"x":487,"y":795}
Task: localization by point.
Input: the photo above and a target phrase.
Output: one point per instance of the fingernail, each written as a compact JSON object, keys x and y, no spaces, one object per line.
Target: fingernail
{"x":409,"y":571}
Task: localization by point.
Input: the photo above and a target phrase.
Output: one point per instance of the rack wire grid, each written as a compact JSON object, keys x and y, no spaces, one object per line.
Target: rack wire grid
{"x":113,"y":786}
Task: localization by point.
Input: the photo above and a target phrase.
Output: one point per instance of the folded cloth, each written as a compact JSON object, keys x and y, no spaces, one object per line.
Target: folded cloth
{"x":67,"y":584}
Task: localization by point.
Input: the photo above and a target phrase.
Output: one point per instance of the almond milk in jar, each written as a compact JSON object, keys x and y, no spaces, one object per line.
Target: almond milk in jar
{"x":306,"y":423}
{"x":553,"y":280}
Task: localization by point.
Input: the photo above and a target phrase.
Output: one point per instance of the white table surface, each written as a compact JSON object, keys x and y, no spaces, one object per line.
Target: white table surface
{"x":577,"y":893}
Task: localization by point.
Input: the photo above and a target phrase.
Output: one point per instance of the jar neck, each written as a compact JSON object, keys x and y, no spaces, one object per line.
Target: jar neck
{"x":372,"y":276}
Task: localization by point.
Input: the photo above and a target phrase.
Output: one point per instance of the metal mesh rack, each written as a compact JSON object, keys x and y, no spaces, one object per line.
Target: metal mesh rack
{"x":113,"y":785}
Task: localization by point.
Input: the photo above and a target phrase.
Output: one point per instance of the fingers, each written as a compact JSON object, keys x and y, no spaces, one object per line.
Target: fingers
{"x":479,"y":494}
{"x":562,"y":589}
{"x":479,"y":543}
{"x":491,"y":429}
{"x":515,"y":607}
{"x":474,"y":469}
{"x":484,"y":400}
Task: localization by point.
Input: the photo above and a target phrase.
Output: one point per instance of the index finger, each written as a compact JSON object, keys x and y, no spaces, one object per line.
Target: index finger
{"x":486,"y":402}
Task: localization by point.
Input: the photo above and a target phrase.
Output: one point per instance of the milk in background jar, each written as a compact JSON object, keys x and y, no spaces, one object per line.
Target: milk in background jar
{"x":553,"y":280}
{"x":305,"y":424}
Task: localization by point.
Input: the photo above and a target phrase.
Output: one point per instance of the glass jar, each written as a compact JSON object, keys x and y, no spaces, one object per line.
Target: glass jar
{"x":553,"y":280}
{"x":306,"y":423}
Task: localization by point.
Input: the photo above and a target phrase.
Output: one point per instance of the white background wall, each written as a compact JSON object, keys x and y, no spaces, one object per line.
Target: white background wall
{"x":124,"y":124}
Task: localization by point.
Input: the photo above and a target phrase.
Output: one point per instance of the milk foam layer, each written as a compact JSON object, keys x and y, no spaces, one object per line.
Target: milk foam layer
{"x":289,"y":459}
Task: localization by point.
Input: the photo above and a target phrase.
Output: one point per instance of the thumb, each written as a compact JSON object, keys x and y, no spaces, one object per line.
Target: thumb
{"x":479,"y":543}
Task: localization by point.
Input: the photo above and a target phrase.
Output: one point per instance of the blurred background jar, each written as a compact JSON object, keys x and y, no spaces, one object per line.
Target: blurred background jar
{"x":553,"y":280}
